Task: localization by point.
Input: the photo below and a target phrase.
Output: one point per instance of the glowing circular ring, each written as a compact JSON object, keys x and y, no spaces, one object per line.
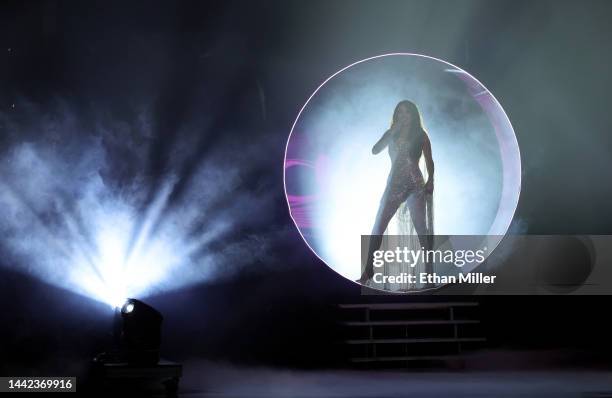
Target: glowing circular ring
{"x":508,"y":145}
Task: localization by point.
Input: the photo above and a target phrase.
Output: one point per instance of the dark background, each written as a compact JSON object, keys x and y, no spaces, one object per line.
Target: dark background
{"x":252,"y":65}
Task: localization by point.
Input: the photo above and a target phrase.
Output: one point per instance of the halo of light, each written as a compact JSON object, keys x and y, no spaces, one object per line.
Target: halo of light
{"x":328,"y":211}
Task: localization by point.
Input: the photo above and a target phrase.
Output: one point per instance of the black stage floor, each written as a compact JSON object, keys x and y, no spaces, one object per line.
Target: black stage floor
{"x":207,"y":379}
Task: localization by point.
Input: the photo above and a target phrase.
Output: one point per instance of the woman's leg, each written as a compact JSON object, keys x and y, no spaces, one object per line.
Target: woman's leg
{"x":418,"y":213}
{"x":389,"y":204}
{"x":417,"y":208}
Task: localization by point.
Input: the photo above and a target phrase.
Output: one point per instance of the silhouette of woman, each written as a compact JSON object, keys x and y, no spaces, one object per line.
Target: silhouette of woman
{"x":407,"y":140}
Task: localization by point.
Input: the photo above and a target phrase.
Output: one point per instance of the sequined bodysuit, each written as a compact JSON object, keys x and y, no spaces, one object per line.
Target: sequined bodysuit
{"x":405,"y":177}
{"x":405,"y":180}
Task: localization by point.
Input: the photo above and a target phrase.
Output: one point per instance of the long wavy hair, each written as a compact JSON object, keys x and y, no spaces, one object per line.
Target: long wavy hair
{"x":416,"y":120}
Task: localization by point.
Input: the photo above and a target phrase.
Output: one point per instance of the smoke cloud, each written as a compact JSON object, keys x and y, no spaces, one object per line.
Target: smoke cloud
{"x":108,"y":208}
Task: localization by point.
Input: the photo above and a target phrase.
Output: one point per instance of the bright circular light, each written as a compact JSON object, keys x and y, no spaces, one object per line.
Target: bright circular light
{"x":333,"y":183}
{"x":129,"y":307}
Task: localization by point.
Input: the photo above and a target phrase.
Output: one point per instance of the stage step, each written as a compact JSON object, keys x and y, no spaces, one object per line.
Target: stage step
{"x":417,"y":341}
{"x":407,"y":306}
{"x":424,"y":331}
{"x":413,"y":323}
{"x":405,"y":358}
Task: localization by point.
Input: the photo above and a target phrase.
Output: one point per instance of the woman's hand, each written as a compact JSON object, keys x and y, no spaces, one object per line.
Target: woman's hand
{"x":429,"y":186}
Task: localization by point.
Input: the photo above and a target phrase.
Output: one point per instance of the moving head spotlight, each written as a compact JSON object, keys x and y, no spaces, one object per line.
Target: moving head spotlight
{"x":140,"y":332}
{"x":134,"y":364}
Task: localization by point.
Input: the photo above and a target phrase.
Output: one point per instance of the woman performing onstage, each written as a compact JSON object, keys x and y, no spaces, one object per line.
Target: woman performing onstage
{"x":407,"y":140}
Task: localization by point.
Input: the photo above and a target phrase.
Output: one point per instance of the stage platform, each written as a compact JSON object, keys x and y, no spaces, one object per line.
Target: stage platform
{"x":160,"y":379}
